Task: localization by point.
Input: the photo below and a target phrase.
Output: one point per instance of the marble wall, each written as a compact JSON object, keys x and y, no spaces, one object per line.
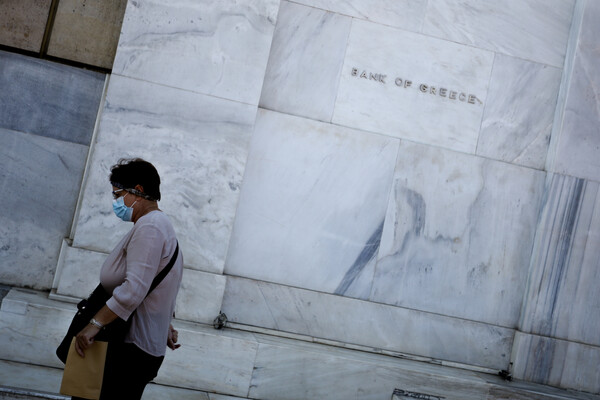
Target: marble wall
{"x":47,"y":117}
{"x":383,"y":173}
{"x":443,"y":222}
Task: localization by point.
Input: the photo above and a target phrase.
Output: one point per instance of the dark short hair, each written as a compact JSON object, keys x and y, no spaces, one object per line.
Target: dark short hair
{"x":128,"y":173}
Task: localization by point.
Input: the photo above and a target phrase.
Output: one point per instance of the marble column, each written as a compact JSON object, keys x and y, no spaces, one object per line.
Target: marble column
{"x":557,"y":341}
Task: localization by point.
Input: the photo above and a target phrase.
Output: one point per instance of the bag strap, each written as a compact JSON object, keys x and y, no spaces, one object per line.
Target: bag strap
{"x":158,"y":279}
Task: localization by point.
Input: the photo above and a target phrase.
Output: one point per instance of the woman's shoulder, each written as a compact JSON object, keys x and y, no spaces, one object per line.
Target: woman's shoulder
{"x":155,"y":219}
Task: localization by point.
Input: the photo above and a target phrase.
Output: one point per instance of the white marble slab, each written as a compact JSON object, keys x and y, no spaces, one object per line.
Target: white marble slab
{"x":554,"y":362}
{"x":412,"y":86}
{"x":199,"y":297}
{"x":458,"y":235}
{"x":210,"y":360}
{"x":378,"y":326}
{"x":405,"y":14}
{"x":40,"y":181}
{"x":305,"y":63}
{"x":288,"y":373}
{"x":563,"y":297}
{"x":535,"y":30}
{"x":218,"y":48}
{"x":312,"y":203}
{"x":579,"y":143}
{"x":199,"y":145}
{"x":31,"y":327}
{"x":518,"y":116}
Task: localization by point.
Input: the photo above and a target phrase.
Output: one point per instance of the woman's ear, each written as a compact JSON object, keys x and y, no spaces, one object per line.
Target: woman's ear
{"x":139,"y":188}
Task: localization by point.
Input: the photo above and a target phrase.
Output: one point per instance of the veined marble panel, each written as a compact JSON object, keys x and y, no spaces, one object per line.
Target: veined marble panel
{"x":405,"y":14}
{"x":199,"y":298}
{"x":556,"y":362}
{"x":579,"y":142}
{"x":305,"y":63}
{"x":365,"y":323}
{"x":40,"y":179}
{"x":536,"y":30}
{"x":218,"y":48}
{"x":22,"y":23}
{"x":458,"y":235}
{"x":312,"y":204}
{"x":199,"y":145}
{"x":412,"y":86}
{"x":563,"y":297}
{"x":518,"y":116}
{"x":48,"y":99}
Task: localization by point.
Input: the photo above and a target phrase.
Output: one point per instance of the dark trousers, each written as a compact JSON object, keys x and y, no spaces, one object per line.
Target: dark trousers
{"x":127,"y":371}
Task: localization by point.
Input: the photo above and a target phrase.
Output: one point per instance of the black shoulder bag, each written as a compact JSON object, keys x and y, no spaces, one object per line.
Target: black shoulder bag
{"x":87,"y":309}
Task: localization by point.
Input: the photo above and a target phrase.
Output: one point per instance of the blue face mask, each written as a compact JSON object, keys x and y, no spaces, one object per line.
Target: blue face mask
{"x":121,"y":210}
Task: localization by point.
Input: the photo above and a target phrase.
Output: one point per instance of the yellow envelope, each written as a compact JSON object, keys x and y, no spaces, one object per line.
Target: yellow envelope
{"x":82,"y":377}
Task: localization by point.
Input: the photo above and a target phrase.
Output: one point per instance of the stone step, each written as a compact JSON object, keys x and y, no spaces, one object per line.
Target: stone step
{"x":26,"y":381}
{"x":244,"y":364}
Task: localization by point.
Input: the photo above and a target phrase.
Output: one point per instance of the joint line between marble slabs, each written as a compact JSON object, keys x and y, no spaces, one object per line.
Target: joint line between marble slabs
{"x":339,"y":80}
{"x":436,"y":146}
{"x":371,"y":302}
{"x":360,"y":348}
{"x":476,"y":152}
{"x":595,"y":346}
{"x":88,"y":161}
{"x":49,"y":27}
{"x":186,"y":90}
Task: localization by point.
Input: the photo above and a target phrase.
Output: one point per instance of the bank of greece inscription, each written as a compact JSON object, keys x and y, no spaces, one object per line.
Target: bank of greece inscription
{"x":425,"y":88}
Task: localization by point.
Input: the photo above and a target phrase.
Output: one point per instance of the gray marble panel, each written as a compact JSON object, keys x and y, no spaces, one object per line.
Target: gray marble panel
{"x":413,"y":86}
{"x":312,"y":204}
{"x":578,"y":145}
{"x":563,"y":297}
{"x":199,"y":145}
{"x":458,"y":235}
{"x":305,"y":63}
{"x":535,"y":30}
{"x":40,"y":179}
{"x":218,"y":48}
{"x":405,"y":14}
{"x":518,"y":116}
{"x":48,"y":99}
{"x":556,"y":362}
{"x":378,"y":326}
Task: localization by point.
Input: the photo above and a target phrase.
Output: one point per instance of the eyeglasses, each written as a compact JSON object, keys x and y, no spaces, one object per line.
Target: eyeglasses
{"x":116,"y":194}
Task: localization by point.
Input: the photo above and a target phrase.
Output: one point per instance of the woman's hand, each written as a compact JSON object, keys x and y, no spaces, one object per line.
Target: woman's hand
{"x":172,"y":337}
{"x":85,"y":338}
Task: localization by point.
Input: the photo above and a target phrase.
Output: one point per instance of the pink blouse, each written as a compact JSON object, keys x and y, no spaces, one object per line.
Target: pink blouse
{"x":128,"y":272}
